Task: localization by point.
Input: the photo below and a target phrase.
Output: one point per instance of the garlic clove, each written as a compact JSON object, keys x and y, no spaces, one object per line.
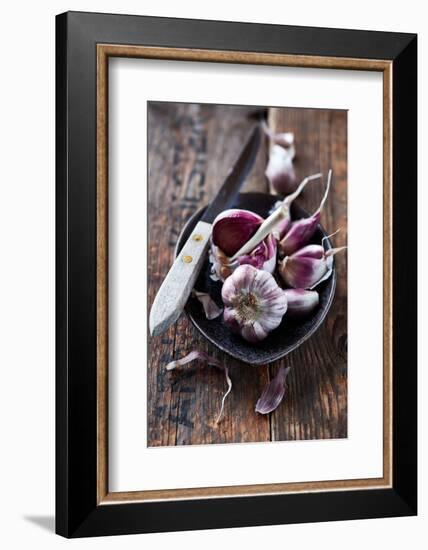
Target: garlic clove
{"x":284,"y":139}
{"x":302,"y":272}
{"x":242,"y":281}
{"x":301,"y":231}
{"x":308,"y":267}
{"x":230,"y":317}
{"x":315,"y":251}
{"x":299,"y":234}
{"x":280,"y":170}
{"x":231,"y":230}
{"x":301,"y":302}
{"x":253,"y":332}
{"x":222,"y":266}
{"x":283,"y":226}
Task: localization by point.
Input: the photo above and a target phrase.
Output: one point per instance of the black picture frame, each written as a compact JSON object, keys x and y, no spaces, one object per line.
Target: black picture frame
{"x":77,"y":512}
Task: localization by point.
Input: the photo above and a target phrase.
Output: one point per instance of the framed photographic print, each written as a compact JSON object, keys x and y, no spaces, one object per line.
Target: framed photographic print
{"x":236,"y":248}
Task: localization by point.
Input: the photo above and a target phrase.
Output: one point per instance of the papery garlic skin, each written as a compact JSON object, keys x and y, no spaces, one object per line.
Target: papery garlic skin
{"x":308,"y":267}
{"x":280,"y":170}
{"x":221,"y":265}
{"x":254,"y":303}
{"x":301,"y":302}
{"x":203,"y":358}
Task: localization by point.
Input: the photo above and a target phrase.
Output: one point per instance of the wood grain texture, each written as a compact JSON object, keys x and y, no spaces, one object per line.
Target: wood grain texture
{"x":180,"y":280}
{"x":316,"y":407}
{"x":190,"y":149}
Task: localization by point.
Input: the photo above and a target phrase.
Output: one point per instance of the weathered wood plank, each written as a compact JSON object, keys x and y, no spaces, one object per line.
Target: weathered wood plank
{"x":181,"y":138}
{"x":316,"y":406}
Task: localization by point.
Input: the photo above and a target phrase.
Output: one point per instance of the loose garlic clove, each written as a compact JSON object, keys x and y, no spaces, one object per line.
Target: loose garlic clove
{"x":308,"y":267}
{"x":280,"y":170}
{"x":301,"y":302}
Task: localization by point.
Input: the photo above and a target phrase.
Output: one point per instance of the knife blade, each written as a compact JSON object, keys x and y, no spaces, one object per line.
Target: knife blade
{"x":180,"y":279}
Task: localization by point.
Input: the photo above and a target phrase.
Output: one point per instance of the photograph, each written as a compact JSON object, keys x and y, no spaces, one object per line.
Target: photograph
{"x":247,"y":274}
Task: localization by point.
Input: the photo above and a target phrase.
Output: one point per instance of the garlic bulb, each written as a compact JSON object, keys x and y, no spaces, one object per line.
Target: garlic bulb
{"x":300,"y":232}
{"x":308,"y":267}
{"x":254,"y":303}
{"x":231,"y":230}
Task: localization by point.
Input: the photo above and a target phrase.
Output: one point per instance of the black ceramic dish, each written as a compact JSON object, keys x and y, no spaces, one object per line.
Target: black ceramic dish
{"x":290,"y":333}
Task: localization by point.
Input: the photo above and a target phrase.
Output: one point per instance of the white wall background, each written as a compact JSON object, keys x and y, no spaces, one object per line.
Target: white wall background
{"x":27,"y":271}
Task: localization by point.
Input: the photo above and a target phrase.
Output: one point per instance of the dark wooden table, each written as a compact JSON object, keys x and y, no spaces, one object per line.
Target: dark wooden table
{"x":191,"y":148}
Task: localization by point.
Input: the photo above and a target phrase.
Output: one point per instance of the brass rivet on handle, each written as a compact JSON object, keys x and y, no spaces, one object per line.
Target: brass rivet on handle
{"x":197,"y":237}
{"x":187,"y":259}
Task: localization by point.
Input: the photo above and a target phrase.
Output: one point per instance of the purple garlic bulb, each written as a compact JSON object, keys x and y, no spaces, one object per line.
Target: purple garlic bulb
{"x":254,"y":303}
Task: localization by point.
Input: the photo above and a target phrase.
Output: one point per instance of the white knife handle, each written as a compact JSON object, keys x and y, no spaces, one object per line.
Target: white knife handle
{"x":178,"y":284}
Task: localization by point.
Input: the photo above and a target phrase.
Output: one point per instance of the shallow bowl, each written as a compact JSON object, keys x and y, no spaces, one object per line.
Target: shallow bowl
{"x":291,"y":333}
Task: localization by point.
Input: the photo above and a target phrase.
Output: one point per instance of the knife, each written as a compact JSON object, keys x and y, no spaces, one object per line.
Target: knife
{"x":178,"y":284}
